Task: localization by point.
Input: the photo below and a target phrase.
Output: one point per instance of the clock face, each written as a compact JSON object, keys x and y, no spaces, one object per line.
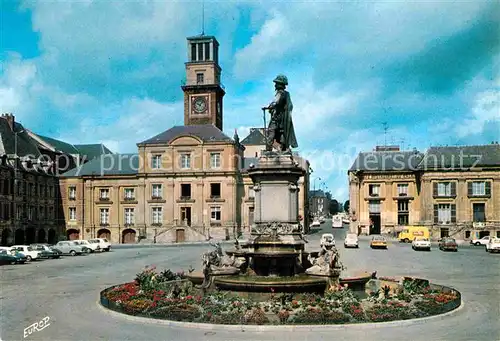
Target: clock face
{"x":200,"y":104}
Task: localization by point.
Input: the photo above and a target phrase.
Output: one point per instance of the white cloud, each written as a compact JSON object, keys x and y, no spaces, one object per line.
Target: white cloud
{"x":486,"y":109}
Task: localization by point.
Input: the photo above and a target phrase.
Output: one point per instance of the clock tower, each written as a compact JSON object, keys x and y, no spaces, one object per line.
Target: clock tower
{"x":203,"y":91}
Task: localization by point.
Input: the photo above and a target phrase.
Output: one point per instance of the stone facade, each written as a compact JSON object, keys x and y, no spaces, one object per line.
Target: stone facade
{"x":459,"y":200}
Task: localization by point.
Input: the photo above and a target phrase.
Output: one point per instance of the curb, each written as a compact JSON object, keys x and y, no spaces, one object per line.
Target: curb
{"x":226,"y":327}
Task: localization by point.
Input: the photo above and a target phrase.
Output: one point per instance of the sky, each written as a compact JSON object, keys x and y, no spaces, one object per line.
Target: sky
{"x":110,"y":71}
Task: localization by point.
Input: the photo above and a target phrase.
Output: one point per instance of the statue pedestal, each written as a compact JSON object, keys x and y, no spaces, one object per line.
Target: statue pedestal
{"x":276,"y":245}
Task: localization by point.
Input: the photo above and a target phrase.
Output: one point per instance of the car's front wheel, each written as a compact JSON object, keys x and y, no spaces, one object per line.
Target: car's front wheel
{"x":29,"y":259}
{"x":477,"y":243}
{"x":72,"y":253}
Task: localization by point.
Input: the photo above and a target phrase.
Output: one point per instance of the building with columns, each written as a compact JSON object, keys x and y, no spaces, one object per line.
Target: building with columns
{"x":188,"y":183}
{"x":455,"y":191}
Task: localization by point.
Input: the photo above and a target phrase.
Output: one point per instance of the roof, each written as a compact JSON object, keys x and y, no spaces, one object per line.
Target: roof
{"x":205,"y":132}
{"x":59,"y":145}
{"x":461,"y":157}
{"x":24,"y":145}
{"x":107,"y":164}
{"x":254,"y":138}
{"x":92,"y":151}
{"x":387,"y":161}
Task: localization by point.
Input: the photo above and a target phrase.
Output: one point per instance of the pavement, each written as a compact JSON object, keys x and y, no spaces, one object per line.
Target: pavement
{"x":67,"y":290}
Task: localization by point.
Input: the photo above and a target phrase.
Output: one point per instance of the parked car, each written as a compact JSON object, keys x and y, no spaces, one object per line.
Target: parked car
{"x":68,"y":248}
{"x":421,"y":243}
{"x":8,"y":257}
{"x":327,"y":240}
{"x":104,"y":244}
{"x":482,"y":241}
{"x":321,"y":220}
{"x":315,"y":223}
{"x":493,"y":245}
{"x":46,"y":251}
{"x":378,"y":242}
{"x":28,"y":251}
{"x":448,"y":244}
{"x":87,"y":247}
{"x":351,"y":240}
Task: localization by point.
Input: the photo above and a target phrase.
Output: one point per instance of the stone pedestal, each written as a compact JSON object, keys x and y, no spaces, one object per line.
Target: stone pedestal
{"x":276,"y":243}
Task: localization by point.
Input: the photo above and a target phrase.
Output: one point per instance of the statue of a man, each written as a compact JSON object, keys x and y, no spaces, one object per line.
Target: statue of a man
{"x":280,"y":127}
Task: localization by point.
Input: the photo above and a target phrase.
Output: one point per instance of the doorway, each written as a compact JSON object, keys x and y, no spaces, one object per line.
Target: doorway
{"x":128,"y":236}
{"x":186,"y":215}
{"x":375,"y":226}
{"x":180,"y":236}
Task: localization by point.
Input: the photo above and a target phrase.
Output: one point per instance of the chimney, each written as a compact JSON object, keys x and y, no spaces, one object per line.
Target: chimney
{"x":10,"y":119}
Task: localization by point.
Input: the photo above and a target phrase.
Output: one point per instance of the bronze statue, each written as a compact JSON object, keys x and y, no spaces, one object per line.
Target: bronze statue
{"x":280,"y":129}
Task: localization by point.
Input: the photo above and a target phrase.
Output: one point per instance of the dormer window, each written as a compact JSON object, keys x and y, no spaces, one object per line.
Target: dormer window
{"x":374,"y":190}
{"x":402,"y":190}
{"x":156,"y":162}
{"x":185,"y":161}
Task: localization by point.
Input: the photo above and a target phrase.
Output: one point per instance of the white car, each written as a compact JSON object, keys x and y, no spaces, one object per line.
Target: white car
{"x":86,"y":245}
{"x":321,"y":220}
{"x":327,"y":240}
{"x":493,"y":245}
{"x":68,"y":247}
{"x":351,"y":240}
{"x":28,"y":251}
{"x":421,"y":243}
{"x":104,"y":244}
{"x":482,"y":241}
{"x":315,"y":223}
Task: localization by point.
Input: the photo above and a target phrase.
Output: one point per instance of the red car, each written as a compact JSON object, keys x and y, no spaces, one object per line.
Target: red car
{"x":448,"y":244}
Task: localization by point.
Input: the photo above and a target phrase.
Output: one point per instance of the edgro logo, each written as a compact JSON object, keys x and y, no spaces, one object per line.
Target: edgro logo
{"x":37,"y":326}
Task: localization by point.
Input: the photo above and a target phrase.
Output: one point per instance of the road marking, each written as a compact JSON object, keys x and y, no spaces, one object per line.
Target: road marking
{"x":37,"y":326}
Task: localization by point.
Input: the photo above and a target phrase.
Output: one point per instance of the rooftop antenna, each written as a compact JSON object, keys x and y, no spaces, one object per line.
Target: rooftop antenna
{"x":203,"y":17}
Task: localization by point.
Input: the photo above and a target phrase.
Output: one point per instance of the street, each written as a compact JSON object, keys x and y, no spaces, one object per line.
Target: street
{"x":66,"y":290}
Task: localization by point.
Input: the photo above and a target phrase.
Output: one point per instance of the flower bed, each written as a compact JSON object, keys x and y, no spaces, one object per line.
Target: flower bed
{"x":170,"y":296}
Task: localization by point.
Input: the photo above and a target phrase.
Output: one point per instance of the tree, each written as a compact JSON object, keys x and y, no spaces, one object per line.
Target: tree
{"x":346,"y":206}
{"x":334,"y":206}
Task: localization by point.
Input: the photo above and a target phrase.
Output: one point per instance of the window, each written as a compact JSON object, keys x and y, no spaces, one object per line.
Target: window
{"x":156,"y":162}
{"x":104,"y":194}
{"x":444,"y":189}
{"x":214,"y":160}
{"x":402,"y":190}
{"x":104,"y":216}
{"x":207,"y":51}
{"x":156,"y":191}
{"x":214,"y":190}
{"x":199,"y":78}
{"x":200,"y":51}
{"x":467,"y":234}
{"x":498,"y":234}
{"x":129,"y":194}
{"x":193,"y":52}
{"x":72,"y":213}
{"x":30,"y":212}
{"x":478,"y":211}
{"x":374,"y":206}
{"x":478,"y":188}
{"x":403,"y":212}
{"x":215,"y":214}
{"x":444,"y":213}
{"x":185,"y":161}
{"x":51,"y":191}
{"x":72,"y":193}
{"x":157,"y":215}
{"x":374,"y":190}
{"x":51,"y":212}
{"x":185,"y":191}
{"x":129,"y":216}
